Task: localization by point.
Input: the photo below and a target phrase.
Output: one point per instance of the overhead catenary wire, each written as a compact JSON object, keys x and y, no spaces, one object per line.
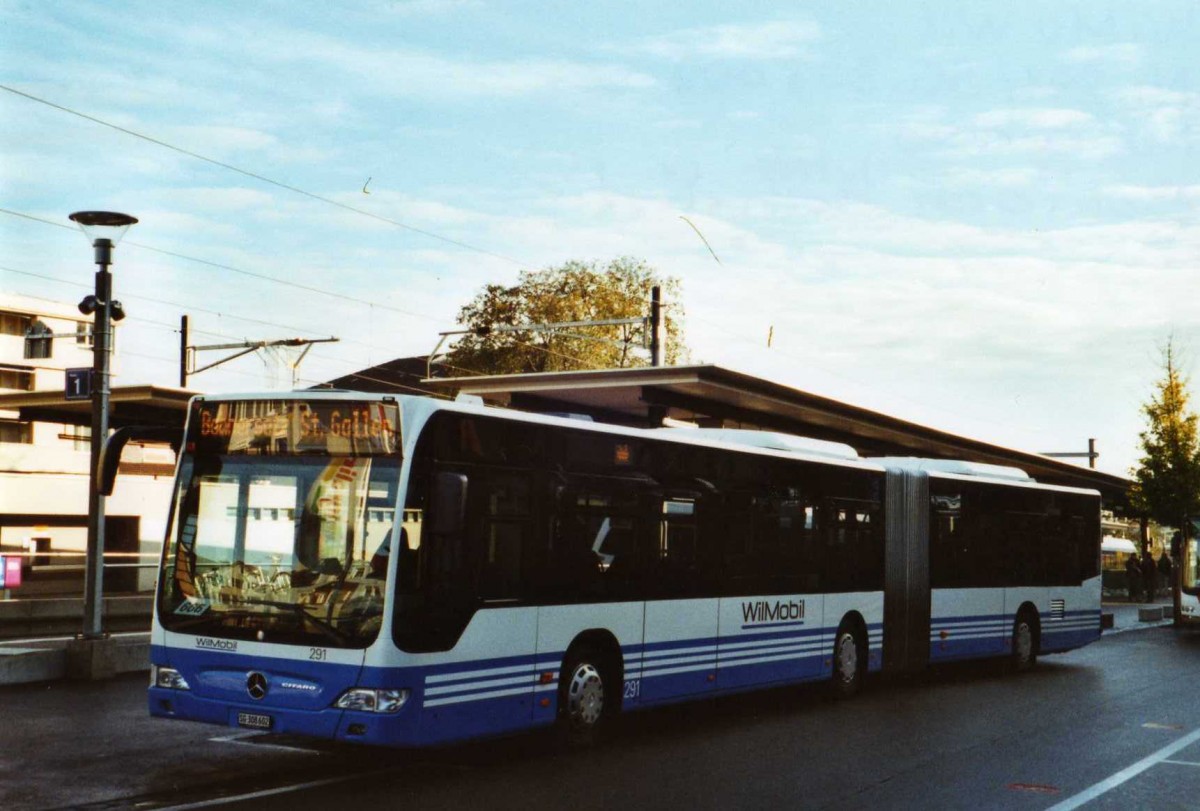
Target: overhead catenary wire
{"x":262,"y":178}
{"x":252,"y":274}
{"x":734,"y":334}
{"x":630,"y":298}
{"x":164,"y":302}
{"x":312,"y":289}
{"x":286,"y":282}
{"x":220,"y":314}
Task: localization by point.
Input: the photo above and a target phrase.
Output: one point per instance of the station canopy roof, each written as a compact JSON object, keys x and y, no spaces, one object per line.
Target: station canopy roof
{"x":711,"y":396}
{"x":128,"y":405}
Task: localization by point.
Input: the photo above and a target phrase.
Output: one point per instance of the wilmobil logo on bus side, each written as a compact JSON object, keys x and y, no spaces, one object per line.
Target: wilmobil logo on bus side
{"x":216,"y":644}
{"x":760,"y":611}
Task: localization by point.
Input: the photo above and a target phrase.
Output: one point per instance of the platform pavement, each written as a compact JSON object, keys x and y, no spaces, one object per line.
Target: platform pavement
{"x":1131,"y":616}
{"x":23,"y":661}
{"x":46,"y":658}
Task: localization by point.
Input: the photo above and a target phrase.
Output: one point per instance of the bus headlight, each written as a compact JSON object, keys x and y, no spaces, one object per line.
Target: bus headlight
{"x":364,"y":700}
{"x":167,"y":677}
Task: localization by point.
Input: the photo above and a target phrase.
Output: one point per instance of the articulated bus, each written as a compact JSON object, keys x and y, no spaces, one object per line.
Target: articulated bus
{"x":405,"y":571}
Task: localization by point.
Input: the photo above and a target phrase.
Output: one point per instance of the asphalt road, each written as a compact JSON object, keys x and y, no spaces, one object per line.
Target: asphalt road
{"x":1115,"y":725}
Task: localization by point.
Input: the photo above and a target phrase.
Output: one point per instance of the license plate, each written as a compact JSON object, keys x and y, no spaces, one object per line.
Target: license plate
{"x":253,"y":720}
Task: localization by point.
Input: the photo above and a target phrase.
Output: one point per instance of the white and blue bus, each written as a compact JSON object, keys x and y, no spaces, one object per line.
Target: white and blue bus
{"x":405,"y":571}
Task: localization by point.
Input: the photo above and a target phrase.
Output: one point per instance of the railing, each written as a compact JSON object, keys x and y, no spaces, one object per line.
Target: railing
{"x":61,"y":573}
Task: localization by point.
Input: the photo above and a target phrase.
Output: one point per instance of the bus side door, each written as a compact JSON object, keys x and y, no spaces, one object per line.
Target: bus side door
{"x":679,"y":655}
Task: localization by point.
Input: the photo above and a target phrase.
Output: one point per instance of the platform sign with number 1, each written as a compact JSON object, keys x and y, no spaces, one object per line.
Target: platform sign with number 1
{"x":79,"y":384}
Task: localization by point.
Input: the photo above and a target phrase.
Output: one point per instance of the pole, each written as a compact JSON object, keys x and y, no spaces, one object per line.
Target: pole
{"x":656,"y":326}
{"x":93,"y":583}
{"x":183,"y":351}
{"x":1092,"y":453}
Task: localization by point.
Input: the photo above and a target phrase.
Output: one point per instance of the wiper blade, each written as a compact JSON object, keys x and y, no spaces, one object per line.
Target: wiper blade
{"x":299,"y":610}
{"x":216,"y":616}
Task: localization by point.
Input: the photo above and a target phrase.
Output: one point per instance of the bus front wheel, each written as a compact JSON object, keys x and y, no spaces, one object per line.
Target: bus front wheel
{"x":585,"y":696}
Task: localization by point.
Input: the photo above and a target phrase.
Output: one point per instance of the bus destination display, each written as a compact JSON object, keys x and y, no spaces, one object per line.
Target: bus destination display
{"x":291,"y":427}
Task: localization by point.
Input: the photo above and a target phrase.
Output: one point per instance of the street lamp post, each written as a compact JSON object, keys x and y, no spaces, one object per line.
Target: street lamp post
{"x":104,"y":230}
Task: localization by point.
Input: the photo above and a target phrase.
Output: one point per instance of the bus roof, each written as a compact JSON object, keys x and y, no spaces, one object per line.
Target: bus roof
{"x":955,"y":466}
{"x":762,"y":442}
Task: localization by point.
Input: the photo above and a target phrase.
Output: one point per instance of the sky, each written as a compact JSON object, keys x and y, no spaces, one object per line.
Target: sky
{"x":981,"y":217}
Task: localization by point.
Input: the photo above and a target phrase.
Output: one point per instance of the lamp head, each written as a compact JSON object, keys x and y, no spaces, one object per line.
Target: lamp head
{"x":89,"y":304}
{"x":98,"y":225}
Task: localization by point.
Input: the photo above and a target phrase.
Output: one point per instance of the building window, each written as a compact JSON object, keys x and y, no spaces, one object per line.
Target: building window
{"x":39,"y":340}
{"x":19,"y":378}
{"x":80,"y":436}
{"x":85,"y":333}
{"x":13,"y":323}
{"x":16,"y":432}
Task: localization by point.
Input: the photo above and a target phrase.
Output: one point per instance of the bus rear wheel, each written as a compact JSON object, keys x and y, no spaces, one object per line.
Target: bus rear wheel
{"x":1024,"y":643}
{"x":848,"y":663}
{"x":585,"y":696}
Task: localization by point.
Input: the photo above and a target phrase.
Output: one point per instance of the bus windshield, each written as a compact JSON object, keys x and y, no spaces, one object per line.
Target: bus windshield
{"x":276,"y":537}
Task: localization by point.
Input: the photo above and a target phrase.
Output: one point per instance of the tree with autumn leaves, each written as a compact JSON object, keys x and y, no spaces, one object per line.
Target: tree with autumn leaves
{"x":1167,"y":478}
{"x":575,"y":291}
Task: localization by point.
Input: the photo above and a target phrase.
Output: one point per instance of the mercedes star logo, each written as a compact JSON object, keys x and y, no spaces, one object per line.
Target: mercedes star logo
{"x":256,"y":685}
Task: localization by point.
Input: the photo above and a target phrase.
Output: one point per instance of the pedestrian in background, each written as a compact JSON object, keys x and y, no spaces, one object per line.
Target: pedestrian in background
{"x":1149,"y":576}
{"x":1164,"y":571}
{"x":1133,"y":577}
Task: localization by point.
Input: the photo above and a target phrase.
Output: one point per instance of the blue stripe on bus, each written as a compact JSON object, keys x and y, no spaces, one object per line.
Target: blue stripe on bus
{"x":989,"y":634}
{"x":456,"y":700}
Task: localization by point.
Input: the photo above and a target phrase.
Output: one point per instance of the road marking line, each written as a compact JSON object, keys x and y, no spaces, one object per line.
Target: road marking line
{"x":254,"y":795}
{"x":1153,"y":725}
{"x":1039,"y":788}
{"x":1181,"y":762}
{"x":1128,"y":773}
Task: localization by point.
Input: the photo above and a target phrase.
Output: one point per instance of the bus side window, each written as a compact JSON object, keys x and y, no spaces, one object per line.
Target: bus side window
{"x":580,"y":530}
{"x":503,"y":507}
{"x":947,"y":540}
{"x":678,"y":547}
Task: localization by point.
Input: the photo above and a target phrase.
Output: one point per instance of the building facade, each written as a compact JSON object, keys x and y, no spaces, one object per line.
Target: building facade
{"x":44,"y":466}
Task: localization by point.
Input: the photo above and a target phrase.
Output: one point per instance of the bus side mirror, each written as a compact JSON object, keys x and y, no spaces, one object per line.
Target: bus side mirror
{"x":449,"y":503}
{"x":110,"y":451}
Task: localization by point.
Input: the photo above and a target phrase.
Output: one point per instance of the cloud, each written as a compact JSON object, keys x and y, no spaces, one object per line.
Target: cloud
{"x":763,"y":41}
{"x":1014,"y":131}
{"x":1036,"y":93}
{"x":1165,"y":115}
{"x":239,"y":59}
{"x":1010,"y":178}
{"x":1153,"y":194}
{"x":1037,"y":118}
{"x":431,"y":7}
{"x":1125,"y":54}
{"x":409,"y":72}
{"x":1149,"y":96}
